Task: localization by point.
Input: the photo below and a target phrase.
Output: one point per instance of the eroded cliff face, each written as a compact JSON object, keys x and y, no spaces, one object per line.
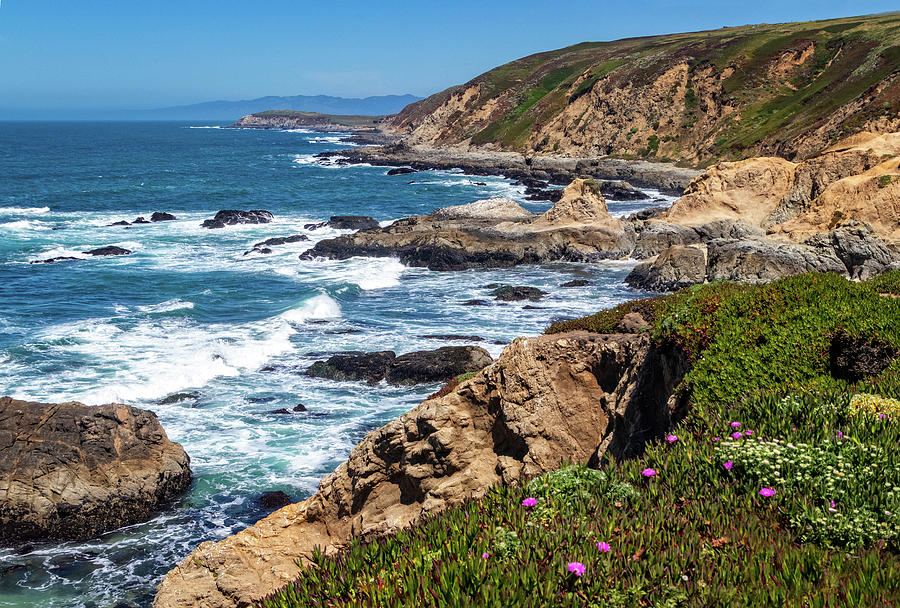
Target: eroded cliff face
{"x":572,"y":397}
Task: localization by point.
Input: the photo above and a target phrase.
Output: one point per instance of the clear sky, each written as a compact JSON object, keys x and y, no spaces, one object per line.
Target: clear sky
{"x":143,"y":53}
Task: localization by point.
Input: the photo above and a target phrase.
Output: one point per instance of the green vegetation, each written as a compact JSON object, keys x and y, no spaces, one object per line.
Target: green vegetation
{"x":350,"y":120}
{"x":884,"y":181}
{"x":781,"y":487}
{"x":780,"y":82}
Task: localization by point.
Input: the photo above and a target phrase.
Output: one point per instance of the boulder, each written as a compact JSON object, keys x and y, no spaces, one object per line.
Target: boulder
{"x":858,"y":247}
{"x":346,"y":222}
{"x":854,"y":359}
{"x":576,"y":283}
{"x":677,"y":267}
{"x":161,"y":216}
{"x":510,"y":293}
{"x":230,"y":217}
{"x":120,"y":223}
{"x":370,"y":367}
{"x":426,"y":366}
{"x":764,"y":261}
{"x":71,"y":471}
{"x":402,"y":171}
{"x":140,"y":220}
{"x":620,"y":191}
{"x":108,"y":250}
{"x":264,"y":246}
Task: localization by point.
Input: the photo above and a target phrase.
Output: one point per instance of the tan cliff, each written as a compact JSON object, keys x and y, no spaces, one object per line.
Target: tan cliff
{"x":547,"y":400}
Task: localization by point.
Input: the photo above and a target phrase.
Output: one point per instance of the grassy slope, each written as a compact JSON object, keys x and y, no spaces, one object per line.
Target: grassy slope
{"x":350,"y":120}
{"x":698,"y":533}
{"x":852,"y":56}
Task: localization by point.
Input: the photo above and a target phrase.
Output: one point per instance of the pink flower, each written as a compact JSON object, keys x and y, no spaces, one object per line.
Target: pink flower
{"x":767,"y":492}
{"x":735,"y":425}
{"x":648,"y":473}
{"x":576,"y":568}
{"x":748,"y":433}
{"x":484,"y":556}
{"x":717,"y":439}
{"x":728,"y":464}
{"x":671,"y":438}
{"x":737,"y":435}
{"x":840,"y":435}
{"x":832,"y":507}
{"x":529,"y":502}
{"x":603,"y":547}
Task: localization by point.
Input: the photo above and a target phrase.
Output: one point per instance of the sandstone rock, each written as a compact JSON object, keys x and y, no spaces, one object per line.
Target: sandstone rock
{"x":581,"y":204}
{"x":575,"y":397}
{"x":677,"y":267}
{"x":632,"y":323}
{"x":497,"y":209}
{"x":230,"y":217}
{"x":75,"y":471}
{"x":108,"y":250}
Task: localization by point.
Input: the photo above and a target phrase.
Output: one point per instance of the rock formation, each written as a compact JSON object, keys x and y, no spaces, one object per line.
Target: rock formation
{"x":75,"y":471}
{"x":230,"y":217}
{"x":573,"y":397}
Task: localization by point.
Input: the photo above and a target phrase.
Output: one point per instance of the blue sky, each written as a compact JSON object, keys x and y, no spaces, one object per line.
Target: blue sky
{"x":143,"y":54}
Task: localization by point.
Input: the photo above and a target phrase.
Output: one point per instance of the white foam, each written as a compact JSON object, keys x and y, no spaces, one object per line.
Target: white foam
{"x":24,"y":226}
{"x":317,"y":307}
{"x":167,"y":306}
{"x":330,"y":162}
{"x":207,"y":127}
{"x":24,"y":210}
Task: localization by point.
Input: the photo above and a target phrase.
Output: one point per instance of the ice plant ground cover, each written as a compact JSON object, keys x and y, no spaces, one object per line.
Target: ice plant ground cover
{"x":799,"y":510}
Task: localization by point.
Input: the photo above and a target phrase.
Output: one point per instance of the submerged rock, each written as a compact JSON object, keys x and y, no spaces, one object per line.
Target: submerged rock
{"x":62,"y":258}
{"x":230,"y":217}
{"x":402,"y":171}
{"x":263,"y":246}
{"x":510,"y":293}
{"x":576,"y":283}
{"x":162,"y":216}
{"x":346,"y":222}
{"x":73,"y":471}
{"x":178,"y":397}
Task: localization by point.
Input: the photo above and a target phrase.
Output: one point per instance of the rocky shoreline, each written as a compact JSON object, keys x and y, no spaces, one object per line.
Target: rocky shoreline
{"x":558,"y":170}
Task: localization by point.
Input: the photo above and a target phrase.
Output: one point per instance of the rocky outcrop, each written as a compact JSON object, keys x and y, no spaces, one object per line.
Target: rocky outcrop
{"x":231,"y":217}
{"x":265,"y":246}
{"x":677,"y":267}
{"x":491,"y":209}
{"x":418,"y":367}
{"x":517,"y":293}
{"x":575,"y":397}
{"x":75,"y":471}
{"x":346,"y":222}
{"x":162,"y":216}
{"x":108,"y":250}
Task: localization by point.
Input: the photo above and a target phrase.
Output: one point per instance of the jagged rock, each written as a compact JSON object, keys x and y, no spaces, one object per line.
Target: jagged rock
{"x":576,"y":283}
{"x":764,"y":261}
{"x":62,"y":258}
{"x":264,"y":246}
{"x":620,"y":191}
{"x":74,"y":471}
{"x":855,"y":243}
{"x":439,"y":365}
{"x":453,"y":337}
{"x":511,"y":293}
{"x":548,"y":400}
{"x":346,"y":222}
{"x":177,"y":397}
{"x":120,"y":223}
{"x":140,"y":220}
{"x":108,"y":250}
{"x":231,"y":217}
{"x":655,"y":237}
{"x":370,"y":367}
{"x":581,"y":204}
{"x":677,"y":267}
{"x":646,"y":214}
{"x":161,"y":216}
{"x":401,"y":171}
{"x":476,"y":302}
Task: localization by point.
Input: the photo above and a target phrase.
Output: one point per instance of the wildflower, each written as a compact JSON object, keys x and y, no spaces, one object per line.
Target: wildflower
{"x":735,"y":425}
{"x":671,"y":438}
{"x":767,"y":492}
{"x":737,"y":435}
{"x":832,"y":507}
{"x":529,"y":502}
{"x":576,"y":568}
{"x":728,"y":464}
{"x":717,"y":439}
{"x":603,"y":547}
{"x":840,"y":434}
{"x":748,"y":433}
{"x":484,"y":556}
{"x":648,"y":473}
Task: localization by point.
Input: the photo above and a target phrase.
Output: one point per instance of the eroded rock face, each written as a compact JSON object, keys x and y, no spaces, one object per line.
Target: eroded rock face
{"x":677,"y":267}
{"x":573,"y":397}
{"x":231,"y":217}
{"x":74,"y":471}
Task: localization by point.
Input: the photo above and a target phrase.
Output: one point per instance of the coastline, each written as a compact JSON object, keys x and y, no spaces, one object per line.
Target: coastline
{"x":558,"y":170}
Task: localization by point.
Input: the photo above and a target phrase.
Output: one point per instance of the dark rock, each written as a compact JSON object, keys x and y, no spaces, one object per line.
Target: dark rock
{"x":576,"y":283}
{"x":764,"y":261}
{"x":120,"y":223}
{"x":531,"y":307}
{"x":161,"y":216}
{"x":510,"y":293}
{"x":281,"y":411}
{"x":263,"y":246}
{"x":858,"y":247}
{"x":854,"y":359}
{"x":176,"y":397}
{"x":274,"y":500}
{"x":655,"y":237}
{"x":370,"y":367}
{"x":453,"y":337}
{"x":401,"y":171}
{"x":231,"y":217}
{"x":620,"y":191}
{"x":53,"y":260}
{"x":437,"y":365}
{"x":110,"y":466}
{"x":108,"y":250}
{"x":140,"y":220}
{"x":677,"y":267}
{"x":346,"y":222}
{"x":476,"y":302}
{"x":646,"y":214}
{"x":300,"y":408}
{"x":479,"y":183}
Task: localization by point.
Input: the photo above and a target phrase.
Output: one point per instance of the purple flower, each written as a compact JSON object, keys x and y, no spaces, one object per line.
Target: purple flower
{"x":717,"y":439}
{"x":840,"y":435}
{"x":671,"y":438}
{"x":767,"y":492}
{"x":735,"y":425}
{"x":728,"y":464}
{"x":832,"y":507}
{"x":576,"y":568}
{"x":748,"y":433}
{"x":648,"y":473}
{"x":484,"y":556}
{"x":737,"y":435}
{"x":529,"y":502}
{"x":603,"y":547}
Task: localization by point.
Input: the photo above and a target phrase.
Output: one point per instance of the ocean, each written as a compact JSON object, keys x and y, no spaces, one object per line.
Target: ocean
{"x":189,"y":312}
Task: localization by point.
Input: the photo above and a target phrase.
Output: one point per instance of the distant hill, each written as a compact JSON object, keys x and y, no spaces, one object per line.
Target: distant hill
{"x":322,"y":104}
{"x":787,"y":89}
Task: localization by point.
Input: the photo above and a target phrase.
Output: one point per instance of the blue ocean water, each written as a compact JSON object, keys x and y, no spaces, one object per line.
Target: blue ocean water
{"x":188,"y":311}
